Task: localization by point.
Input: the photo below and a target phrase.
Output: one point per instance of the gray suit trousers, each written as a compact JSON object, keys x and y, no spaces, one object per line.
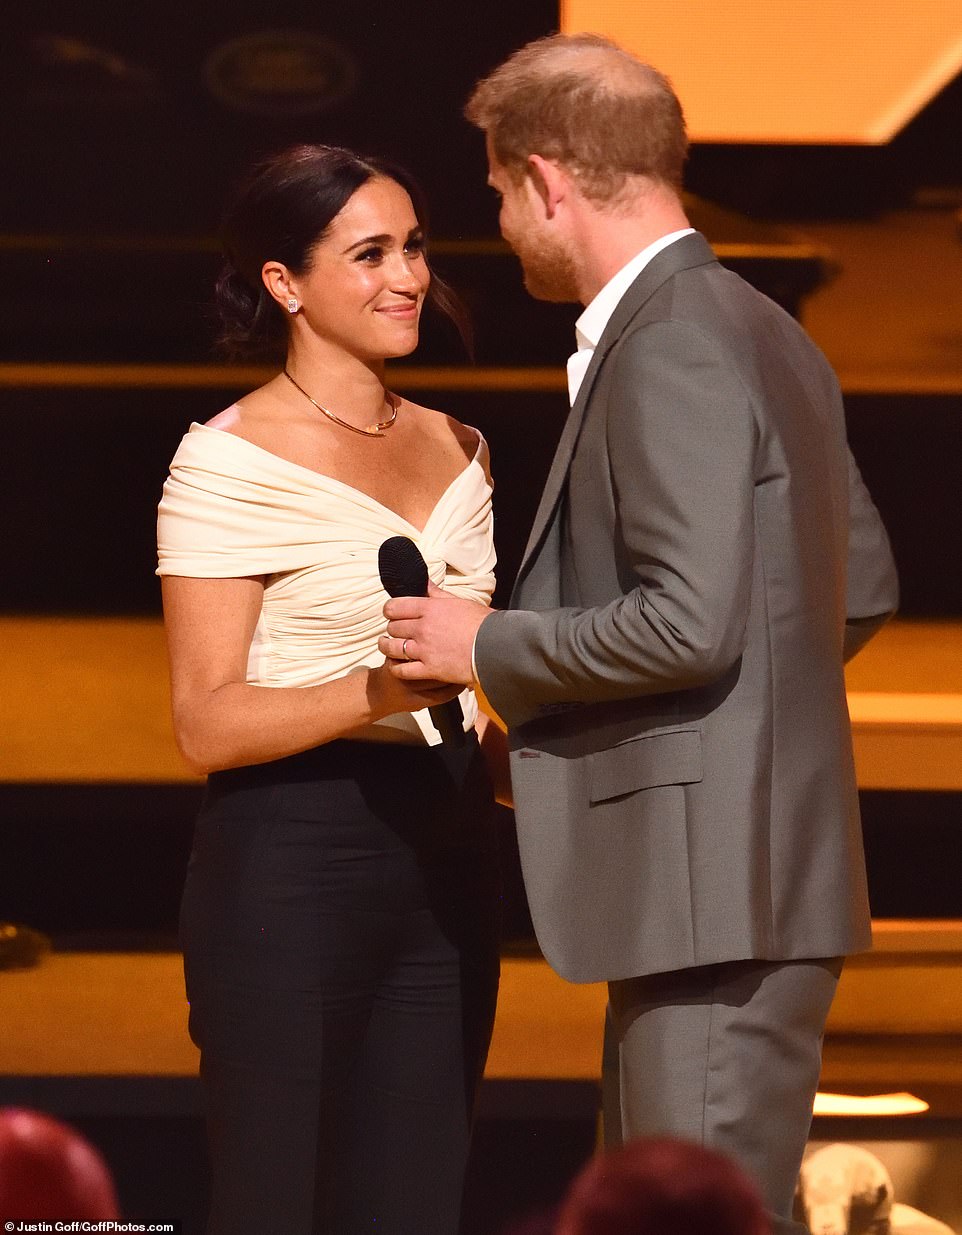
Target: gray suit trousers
{"x":727,"y":1056}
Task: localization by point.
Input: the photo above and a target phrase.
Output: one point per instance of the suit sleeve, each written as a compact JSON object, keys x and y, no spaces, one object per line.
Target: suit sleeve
{"x":872,"y":591}
{"x":681,"y":442}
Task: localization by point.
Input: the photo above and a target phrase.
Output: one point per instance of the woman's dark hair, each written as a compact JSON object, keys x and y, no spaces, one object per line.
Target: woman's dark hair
{"x":278,"y":213}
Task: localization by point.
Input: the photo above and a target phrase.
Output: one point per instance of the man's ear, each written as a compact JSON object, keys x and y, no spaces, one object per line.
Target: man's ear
{"x":551,"y":182}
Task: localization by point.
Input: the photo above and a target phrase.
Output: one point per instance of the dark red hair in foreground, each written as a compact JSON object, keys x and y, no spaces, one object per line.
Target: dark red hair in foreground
{"x":48,"y":1171}
{"x":662,"y":1187}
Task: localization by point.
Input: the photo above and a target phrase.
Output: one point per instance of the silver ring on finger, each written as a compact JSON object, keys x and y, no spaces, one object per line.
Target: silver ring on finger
{"x":404,"y":649}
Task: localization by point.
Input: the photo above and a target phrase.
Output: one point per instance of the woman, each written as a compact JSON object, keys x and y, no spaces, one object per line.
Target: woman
{"x":339,"y":921}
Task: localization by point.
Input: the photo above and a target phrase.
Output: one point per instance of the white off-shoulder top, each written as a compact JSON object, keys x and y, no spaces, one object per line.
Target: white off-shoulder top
{"x":232,"y":509}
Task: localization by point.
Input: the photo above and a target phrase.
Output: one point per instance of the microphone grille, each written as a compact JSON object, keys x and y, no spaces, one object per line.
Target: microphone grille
{"x":402,"y":569}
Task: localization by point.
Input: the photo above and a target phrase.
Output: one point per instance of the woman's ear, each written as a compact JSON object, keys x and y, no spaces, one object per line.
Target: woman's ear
{"x":277,"y":279}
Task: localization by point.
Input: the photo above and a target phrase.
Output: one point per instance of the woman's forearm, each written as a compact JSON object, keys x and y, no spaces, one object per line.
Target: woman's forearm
{"x":238,"y":723}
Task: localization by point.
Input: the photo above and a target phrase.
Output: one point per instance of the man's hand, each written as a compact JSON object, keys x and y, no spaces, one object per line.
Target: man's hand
{"x":432,"y":637}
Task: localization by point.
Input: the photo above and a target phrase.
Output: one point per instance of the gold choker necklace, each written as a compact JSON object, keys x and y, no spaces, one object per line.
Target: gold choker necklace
{"x":375,"y":430}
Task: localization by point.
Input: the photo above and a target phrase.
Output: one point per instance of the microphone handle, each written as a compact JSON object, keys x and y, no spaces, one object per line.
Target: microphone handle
{"x":404,"y":572}
{"x":448,"y":719}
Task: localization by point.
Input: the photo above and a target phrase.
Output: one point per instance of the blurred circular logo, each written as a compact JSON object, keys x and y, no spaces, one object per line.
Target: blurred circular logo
{"x":280,"y":73}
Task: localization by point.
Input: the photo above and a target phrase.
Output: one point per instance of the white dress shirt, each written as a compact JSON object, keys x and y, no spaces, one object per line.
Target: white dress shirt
{"x":591,"y":324}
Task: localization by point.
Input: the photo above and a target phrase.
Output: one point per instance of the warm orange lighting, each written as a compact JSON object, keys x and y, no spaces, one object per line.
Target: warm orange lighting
{"x":869,"y":1104}
{"x":799,"y":71}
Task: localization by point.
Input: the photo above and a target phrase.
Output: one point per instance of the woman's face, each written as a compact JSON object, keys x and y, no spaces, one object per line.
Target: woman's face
{"x":368,"y":275}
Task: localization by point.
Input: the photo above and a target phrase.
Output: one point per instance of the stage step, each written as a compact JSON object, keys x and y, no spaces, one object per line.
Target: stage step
{"x":107,"y":1033}
{"x":97,"y":807}
{"x":91,"y":704}
{"x":93,"y":444}
{"x":166,"y":312}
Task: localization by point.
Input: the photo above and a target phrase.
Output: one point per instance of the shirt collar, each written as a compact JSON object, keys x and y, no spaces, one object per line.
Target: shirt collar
{"x":591,"y":324}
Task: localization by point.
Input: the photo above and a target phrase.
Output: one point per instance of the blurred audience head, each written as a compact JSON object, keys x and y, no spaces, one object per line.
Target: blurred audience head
{"x":48,"y":1171}
{"x":662,"y":1187}
{"x":541,"y":1222}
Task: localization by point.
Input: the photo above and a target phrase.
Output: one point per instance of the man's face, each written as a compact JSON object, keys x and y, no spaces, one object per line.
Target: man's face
{"x":548,"y":270}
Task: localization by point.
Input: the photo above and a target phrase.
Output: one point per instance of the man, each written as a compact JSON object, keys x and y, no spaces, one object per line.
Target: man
{"x":670,"y":669}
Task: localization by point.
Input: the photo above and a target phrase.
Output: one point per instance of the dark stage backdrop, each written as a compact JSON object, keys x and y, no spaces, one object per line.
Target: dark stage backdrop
{"x":119,"y":117}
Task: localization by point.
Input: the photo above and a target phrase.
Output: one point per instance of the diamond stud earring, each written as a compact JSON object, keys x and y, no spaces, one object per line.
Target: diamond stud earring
{"x":292,"y":305}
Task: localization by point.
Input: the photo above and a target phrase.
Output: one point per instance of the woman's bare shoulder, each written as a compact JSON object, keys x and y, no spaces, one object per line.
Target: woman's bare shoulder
{"x":245,"y":417}
{"x":228,"y":421}
{"x":446,"y":429}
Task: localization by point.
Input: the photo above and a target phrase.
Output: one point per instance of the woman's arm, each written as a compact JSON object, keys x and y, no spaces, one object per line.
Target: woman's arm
{"x":221,"y":721}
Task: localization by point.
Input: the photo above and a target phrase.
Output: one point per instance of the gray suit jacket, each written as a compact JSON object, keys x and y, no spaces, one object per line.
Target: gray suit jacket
{"x":671,"y":667}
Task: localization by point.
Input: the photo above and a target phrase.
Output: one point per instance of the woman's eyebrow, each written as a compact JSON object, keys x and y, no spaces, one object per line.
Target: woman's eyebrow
{"x":384,"y":238}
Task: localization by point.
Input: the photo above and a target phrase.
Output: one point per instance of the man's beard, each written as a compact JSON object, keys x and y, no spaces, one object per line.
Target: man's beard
{"x":549,"y":272}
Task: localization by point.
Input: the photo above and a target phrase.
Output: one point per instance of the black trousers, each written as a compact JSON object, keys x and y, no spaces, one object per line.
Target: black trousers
{"x":340,"y":935}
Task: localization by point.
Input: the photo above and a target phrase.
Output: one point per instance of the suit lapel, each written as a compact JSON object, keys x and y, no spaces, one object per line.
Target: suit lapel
{"x":562,"y":458}
{"x":690,"y":251}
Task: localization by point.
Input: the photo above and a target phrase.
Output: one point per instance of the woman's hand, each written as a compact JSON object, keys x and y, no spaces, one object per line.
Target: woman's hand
{"x":223,"y":721}
{"x":388,"y":694}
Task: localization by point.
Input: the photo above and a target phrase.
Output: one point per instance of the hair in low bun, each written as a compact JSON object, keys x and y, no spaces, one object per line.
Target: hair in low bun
{"x":278,"y":213}
{"x":249,"y":328}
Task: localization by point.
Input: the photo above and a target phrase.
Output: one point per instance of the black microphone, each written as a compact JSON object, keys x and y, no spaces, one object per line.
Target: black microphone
{"x":404,"y":572}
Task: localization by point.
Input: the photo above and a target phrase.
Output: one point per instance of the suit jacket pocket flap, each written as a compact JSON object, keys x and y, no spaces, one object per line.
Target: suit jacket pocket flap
{"x":641,"y":763}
